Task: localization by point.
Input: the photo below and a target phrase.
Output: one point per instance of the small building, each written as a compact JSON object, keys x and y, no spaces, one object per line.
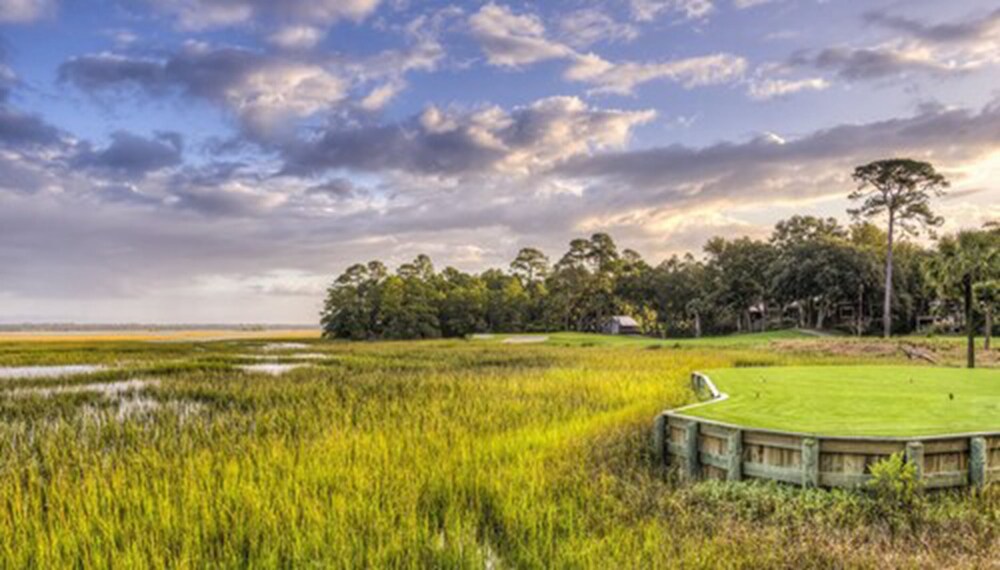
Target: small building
{"x":621,"y":324}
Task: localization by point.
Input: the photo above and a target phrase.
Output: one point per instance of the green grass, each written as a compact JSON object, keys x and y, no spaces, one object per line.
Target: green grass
{"x":445,"y":454}
{"x":858,"y":400}
{"x":604,"y":340}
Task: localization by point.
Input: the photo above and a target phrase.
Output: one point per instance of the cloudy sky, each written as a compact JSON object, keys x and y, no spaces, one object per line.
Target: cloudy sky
{"x":222,"y":160}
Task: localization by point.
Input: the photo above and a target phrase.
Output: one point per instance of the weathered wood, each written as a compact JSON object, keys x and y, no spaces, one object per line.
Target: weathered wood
{"x":708,"y":449}
{"x":714,"y":459}
{"x":861,"y":447}
{"x":810,"y":462}
{"x":848,"y":480}
{"x":772,"y":440}
{"x":735,"y":470}
{"x":977,"y":461}
{"x":783,"y":474}
{"x":945,"y":480}
{"x":935,"y":446}
{"x":660,"y":454}
{"x":691,"y":450}
{"x":915,"y":457}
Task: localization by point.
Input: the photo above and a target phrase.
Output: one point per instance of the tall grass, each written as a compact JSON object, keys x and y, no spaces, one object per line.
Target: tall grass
{"x":413,"y":455}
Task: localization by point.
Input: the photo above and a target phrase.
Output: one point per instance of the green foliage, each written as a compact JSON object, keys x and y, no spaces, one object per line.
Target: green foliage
{"x":896,"y":492}
{"x":811,"y":273}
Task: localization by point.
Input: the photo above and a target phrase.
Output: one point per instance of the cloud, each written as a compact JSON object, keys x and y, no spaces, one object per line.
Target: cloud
{"x":587,"y":26}
{"x":296,"y":37}
{"x":649,"y":10}
{"x":929,"y":49}
{"x":263,"y":91}
{"x":132,"y":155}
{"x":207,"y":14}
{"x":443,"y":142}
{"x":622,"y":78}
{"x":268,"y":93}
{"x":513,"y":40}
{"x":769,"y":169}
{"x":516,"y":40}
{"x":972,"y":30}
{"x":765,"y":89}
{"x":24,"y":11}
{"x":744,"y":4}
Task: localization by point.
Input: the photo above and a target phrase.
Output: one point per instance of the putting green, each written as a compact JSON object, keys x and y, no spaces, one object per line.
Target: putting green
{"x":857,"y":400}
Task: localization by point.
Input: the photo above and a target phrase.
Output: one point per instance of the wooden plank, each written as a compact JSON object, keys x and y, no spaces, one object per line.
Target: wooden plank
{"x":772,"y":440}
{"x":714,"y":459}
{"x":936,"y":446}
{"x":977,"y":461}
{"x":691,"y":450}
{"x":946,"y":479}
{"x":762,"y":471}
{"x":715,"y":431}
{"x":810,"y":463}
{"x":915,"y":457}
{"x":735,"y":469}
{"x":845,"y":480}
{"x":861,"y":447}
{"x":660,"y":454}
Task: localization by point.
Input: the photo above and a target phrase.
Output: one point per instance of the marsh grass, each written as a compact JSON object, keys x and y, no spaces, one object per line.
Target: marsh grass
{"x":448,"y":454}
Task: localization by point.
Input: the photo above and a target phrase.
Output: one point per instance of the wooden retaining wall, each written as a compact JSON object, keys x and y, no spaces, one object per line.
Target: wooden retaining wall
{"x":709,"y":449}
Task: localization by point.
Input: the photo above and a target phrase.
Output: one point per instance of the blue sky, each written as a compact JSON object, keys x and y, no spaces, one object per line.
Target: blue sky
{"x":221,"y":160}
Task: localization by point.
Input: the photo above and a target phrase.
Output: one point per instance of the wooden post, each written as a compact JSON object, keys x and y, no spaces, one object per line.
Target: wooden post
{"x":915,"y":457}
{"x":660,"y":427}
{"x":691,"y":450}
{"x":810,"y":462}
{"x":977,"y":461}
{"x":735,"y":471}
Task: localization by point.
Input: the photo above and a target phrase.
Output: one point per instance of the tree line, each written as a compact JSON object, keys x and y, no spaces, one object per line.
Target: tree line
{"x":810,"y":272}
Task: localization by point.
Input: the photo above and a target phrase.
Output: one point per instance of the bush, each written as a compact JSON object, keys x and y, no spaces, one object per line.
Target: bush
{"x":896,"y":492}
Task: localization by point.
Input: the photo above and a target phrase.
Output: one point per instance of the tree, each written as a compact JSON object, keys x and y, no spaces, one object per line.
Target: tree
{"x":988,"y":296}
{"x":964,"y":260}
{"x":799,"y":229}
{"x":530,"y":266}
{"x":901,"y":189}
{"x":742,"y":269}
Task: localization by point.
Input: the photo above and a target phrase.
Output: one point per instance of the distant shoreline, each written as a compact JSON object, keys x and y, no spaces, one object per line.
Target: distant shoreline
{"x":144,"y":327}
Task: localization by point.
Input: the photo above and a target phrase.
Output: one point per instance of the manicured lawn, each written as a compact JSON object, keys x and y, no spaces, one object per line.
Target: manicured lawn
{"x":858,"y":400}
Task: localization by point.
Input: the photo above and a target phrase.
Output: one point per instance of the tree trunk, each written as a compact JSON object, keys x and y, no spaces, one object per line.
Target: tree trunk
{"x":970,"y":325}
{"x":861,"y":309}
{"x":697,"y":324}
{"x":887,"y":309}
{"x":989,"y":328}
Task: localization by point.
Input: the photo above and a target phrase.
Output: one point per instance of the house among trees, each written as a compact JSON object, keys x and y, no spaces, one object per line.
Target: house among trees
{"x":621,"y":325}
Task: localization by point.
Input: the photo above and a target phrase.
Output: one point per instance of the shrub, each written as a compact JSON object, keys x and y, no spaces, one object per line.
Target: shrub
{"x":896,"y":494}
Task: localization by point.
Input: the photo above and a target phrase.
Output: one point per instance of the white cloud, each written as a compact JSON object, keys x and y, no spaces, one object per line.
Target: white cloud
{"x":588,"y":26}
{"x":649,"y":10}
{"x":513,"y":40}
{"x":622,"y":78}
{"x":207,"y":14}
{"x":764,"y":89}
{"x":296,"y":37}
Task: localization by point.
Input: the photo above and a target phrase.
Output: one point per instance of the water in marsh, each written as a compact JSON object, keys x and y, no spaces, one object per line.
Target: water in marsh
{"x":22,"y":372}
{"x":274,"y":369}
{"x":108,"y":389}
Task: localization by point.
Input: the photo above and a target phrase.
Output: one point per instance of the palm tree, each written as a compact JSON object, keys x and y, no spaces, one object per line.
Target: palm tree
{"x":964,"y":260}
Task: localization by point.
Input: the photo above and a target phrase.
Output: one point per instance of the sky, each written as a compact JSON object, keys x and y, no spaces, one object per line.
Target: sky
{"x":221,"y":161}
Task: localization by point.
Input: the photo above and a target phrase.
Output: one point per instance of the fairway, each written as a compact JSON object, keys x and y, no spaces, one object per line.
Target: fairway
{"x":857,"y":400}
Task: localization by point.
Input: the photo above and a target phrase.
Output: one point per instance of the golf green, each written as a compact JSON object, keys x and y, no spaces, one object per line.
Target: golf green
{"x":857,"y":400}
